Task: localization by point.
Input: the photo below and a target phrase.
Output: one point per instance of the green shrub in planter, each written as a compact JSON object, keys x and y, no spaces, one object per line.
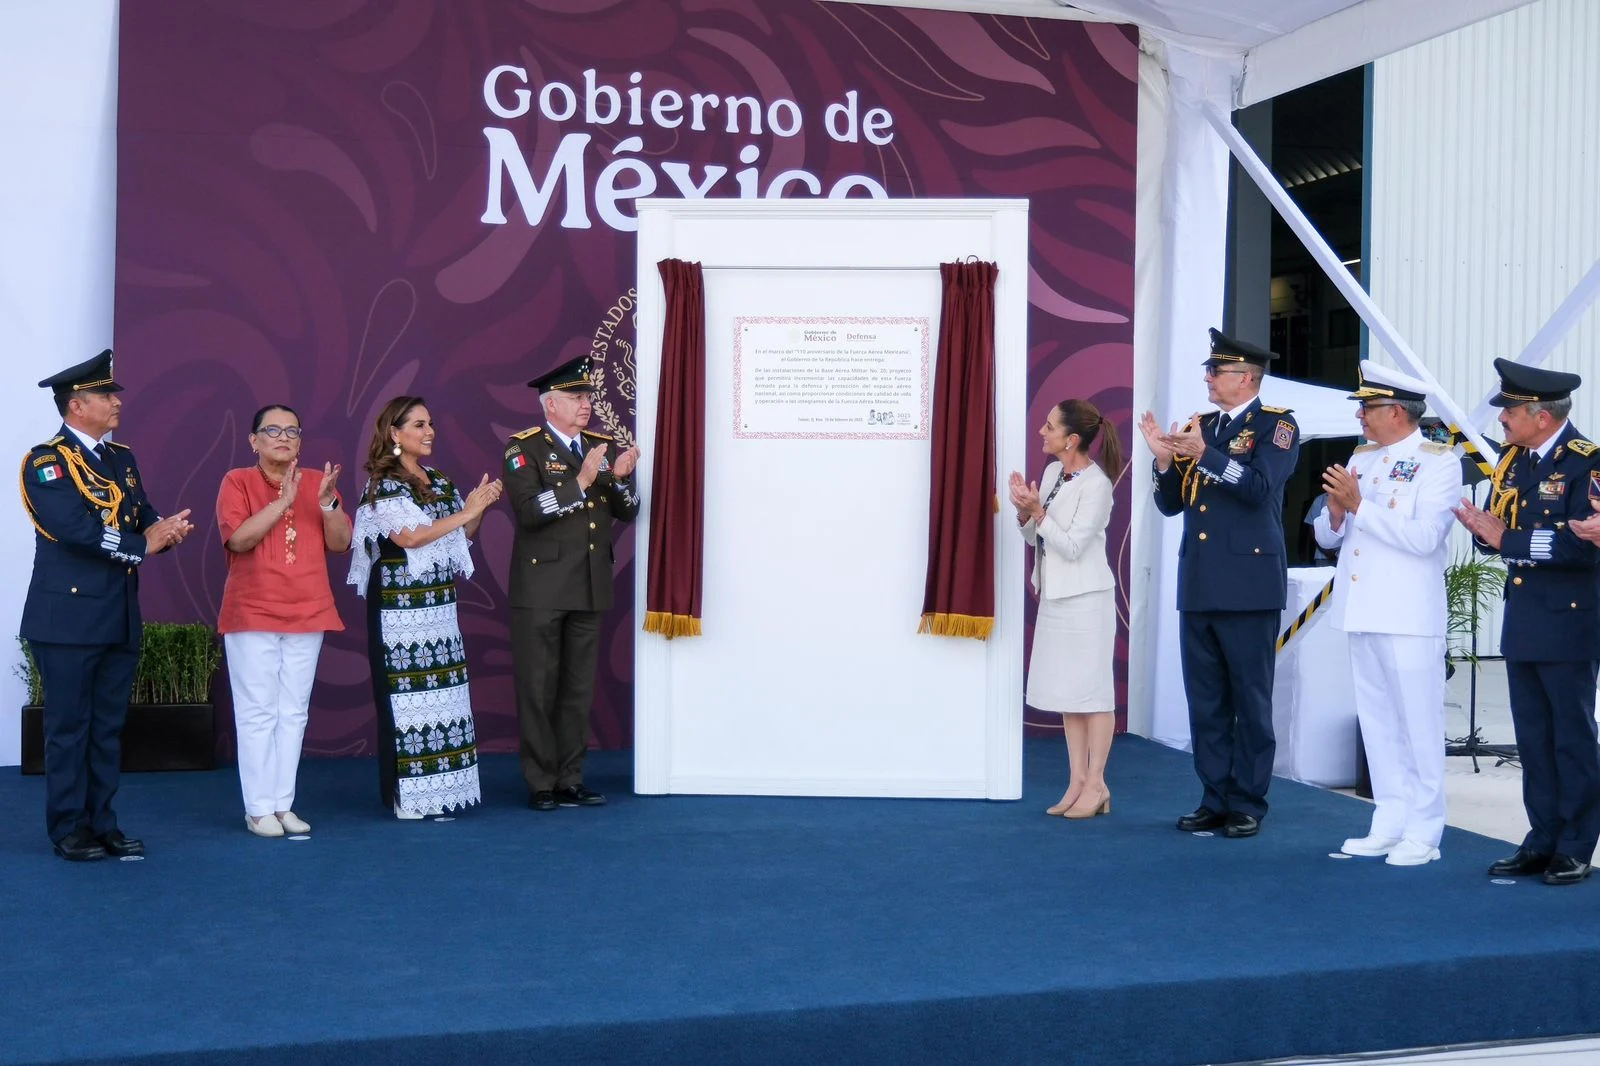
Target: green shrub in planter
{"x":176,"y":664}
{"x":170,"y":724}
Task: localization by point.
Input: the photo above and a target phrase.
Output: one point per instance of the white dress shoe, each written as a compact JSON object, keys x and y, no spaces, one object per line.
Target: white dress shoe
{"x":1369,"y":845}
{"x":293,"y":823}
{"x":1411,"y":853}
{"x":406,"y":816}
{"x":265,"y":826}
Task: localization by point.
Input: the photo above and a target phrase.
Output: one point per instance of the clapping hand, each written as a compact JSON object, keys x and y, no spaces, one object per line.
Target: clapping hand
{"x":167,"y":532}
{"x":1480,"y":523}
{"x":1024,"y":497}
{"x":589,"y":472}
{"x":289,"y":487}
{"x":1157,"y":440}
{"x":1343,"y":487}
{"x":325,"y":492}
{"x":1587,"y":528}
{"x":1187,"y":441}
{"x":626,"y":462}
{"x":484,"y":495}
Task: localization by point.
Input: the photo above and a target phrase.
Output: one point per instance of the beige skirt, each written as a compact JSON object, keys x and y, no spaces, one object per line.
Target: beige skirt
{"x":1069,"y":671}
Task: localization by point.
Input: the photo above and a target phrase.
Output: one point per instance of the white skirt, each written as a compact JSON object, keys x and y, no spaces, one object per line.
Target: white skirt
{"x":1069,"y":671}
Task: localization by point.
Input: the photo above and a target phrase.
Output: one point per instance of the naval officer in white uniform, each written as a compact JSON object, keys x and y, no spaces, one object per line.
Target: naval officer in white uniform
{"x":1389,"y":516}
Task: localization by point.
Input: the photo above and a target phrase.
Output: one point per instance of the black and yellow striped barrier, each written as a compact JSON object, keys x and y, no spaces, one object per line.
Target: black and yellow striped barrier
{"x":1322,"y":597}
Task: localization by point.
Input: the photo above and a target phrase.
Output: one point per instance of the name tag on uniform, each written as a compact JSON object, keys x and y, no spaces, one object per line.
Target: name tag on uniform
{"x":1404,"y":470}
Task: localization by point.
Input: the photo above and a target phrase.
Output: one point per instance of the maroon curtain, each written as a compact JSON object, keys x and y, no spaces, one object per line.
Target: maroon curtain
{"x":959,"y":597}
{"x":677,"y":488}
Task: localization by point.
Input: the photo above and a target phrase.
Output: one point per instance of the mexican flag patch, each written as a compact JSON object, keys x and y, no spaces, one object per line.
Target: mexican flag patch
{"x":518,"y":461}
{"x":49,"y":473}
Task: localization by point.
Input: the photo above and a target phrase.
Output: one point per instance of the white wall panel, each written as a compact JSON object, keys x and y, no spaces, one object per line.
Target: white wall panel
{"x":1485,"y":174}
{"x":1486,"y":192}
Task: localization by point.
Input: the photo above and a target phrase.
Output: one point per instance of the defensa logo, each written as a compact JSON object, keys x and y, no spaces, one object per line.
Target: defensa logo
{"x":613,"y":369}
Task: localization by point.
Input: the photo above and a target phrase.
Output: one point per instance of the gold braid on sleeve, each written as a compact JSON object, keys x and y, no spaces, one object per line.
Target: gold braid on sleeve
{"x":1189,"y":470}
{"x":1503,"y":499}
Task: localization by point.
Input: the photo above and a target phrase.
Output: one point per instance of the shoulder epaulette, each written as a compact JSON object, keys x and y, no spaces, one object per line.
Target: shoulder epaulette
{"x":1433,"y":447}
{"x":525,"y":434}
{"x":1277,"y":410}
{"x":1366,"y":448}
{"x":114,"y":444}
{"x":596,"y":436}
{"x":1582,"y":447}
{"x":52,"y":442}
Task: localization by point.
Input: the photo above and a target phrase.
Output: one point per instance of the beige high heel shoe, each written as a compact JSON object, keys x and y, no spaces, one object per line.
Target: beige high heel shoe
{"x":1078,"y":810}
{"x":1063,"y":805}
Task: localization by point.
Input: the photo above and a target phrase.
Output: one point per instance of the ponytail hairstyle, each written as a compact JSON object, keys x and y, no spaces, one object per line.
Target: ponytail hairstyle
{"x":1084,"y":419}
{"x":382,"y":462}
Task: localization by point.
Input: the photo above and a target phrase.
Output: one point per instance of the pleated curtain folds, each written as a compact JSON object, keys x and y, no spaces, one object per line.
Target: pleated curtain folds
{"x":677,"y":495}
{"x":959,"y":598}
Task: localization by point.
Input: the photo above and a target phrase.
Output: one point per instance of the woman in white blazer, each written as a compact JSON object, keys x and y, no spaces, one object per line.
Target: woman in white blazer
{"x":1074,"y":637}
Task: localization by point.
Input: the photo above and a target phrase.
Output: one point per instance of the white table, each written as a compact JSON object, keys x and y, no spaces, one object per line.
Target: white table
{"x":1313,"y":693}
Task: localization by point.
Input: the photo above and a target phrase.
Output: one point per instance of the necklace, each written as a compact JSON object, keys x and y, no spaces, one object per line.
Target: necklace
{"x":289,"y":533}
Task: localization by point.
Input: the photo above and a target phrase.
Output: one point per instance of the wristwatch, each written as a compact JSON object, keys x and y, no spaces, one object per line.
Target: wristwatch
{"x":334,"y":506}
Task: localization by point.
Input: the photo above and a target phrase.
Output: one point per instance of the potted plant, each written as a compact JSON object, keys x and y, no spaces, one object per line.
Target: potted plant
{"x":1472,"y":585}
{"x":170,"y":722}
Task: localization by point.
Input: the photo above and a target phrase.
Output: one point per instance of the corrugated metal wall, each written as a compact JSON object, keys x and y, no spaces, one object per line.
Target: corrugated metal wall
{"x":1485,"y":175}
{"x":1485,"y":197}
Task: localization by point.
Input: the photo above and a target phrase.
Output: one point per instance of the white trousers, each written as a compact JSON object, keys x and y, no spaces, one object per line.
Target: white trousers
{"x":1399,"y":688}
{"x":271,"y":676}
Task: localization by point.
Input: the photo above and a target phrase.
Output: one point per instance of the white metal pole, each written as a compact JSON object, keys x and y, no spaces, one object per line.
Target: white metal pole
{"x":1552,"y":332}
{"x":1328,"y":260}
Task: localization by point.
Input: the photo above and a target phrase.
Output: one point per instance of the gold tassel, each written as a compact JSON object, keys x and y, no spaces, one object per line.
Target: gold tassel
{"x":956,"y":625}
{"x":671,"y":625}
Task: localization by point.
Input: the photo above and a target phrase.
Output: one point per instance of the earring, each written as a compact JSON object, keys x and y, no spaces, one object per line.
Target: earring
{"x":397,"y":451}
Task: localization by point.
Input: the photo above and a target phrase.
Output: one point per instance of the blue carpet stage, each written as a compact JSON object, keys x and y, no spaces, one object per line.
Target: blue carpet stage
{"x":714,"y":930}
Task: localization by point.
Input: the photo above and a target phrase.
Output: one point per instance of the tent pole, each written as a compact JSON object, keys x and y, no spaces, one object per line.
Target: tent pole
{"x":1328,"y":260}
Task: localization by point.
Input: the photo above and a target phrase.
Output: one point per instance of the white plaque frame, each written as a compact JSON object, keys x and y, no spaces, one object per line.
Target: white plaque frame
{"x":698,"y":701}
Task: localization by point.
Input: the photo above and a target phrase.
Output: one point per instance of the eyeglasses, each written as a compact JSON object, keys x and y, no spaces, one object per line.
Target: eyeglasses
{"x":1369,"y":406}
{"x":292,"y":432}
{"x":1213,"y":371}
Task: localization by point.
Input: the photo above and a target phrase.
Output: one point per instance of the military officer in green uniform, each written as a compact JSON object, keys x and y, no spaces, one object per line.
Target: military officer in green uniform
{"x":94,"y":527}
{"x":567,"y":485}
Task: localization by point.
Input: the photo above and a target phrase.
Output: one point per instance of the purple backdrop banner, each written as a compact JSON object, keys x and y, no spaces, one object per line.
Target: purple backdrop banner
{"x":329,"y":202}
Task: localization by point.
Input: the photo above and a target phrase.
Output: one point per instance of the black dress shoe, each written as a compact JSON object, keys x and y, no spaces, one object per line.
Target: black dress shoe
{"x":1241,"y":825}
{"x":1565,"y":870}
{"x":543,"y":801}
{"x":116,"y":844}
{"x":1524,"y":862}
{"x":579,"y":796}
{"x":1202,"y":818}
{"x":79,"y":846}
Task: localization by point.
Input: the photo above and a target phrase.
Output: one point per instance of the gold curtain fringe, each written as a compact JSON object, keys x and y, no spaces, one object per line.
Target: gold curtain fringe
{"x":956,"y":625}
{"x":671,"y":625}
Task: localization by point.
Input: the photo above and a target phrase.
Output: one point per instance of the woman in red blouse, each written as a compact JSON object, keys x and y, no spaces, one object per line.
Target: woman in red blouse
{"x":277,"y":526}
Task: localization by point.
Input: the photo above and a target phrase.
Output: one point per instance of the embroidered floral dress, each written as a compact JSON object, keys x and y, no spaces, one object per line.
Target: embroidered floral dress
{"x":427,"y":747}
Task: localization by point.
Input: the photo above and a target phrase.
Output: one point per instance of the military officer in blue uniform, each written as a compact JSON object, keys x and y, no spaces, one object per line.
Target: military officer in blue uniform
{"x":94,"y":527}
{"x":1224,"y":472}
{"x":1550,"y":636}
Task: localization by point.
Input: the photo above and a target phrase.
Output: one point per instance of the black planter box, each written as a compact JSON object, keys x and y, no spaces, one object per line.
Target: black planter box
{"x":160,"y":736}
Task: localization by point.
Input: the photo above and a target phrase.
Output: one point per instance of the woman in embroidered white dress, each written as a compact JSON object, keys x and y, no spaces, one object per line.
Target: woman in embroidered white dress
{"x":1075,"y":634}
{"x":410,"y":544}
